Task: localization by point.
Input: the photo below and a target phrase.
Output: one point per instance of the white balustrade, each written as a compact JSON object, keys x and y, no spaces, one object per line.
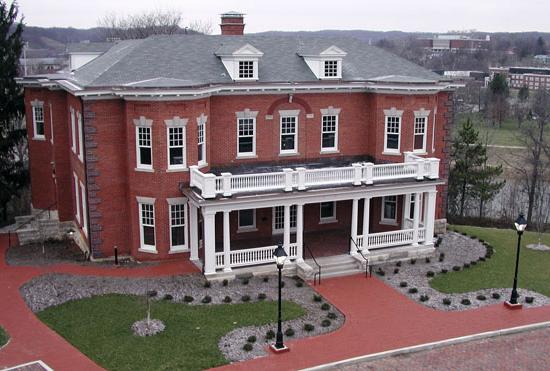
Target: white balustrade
{"x":252,"y":256}
{"x":387,"y":239}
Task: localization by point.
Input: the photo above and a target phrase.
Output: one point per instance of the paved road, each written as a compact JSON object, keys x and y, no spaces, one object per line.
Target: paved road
{"x":523,"y":351}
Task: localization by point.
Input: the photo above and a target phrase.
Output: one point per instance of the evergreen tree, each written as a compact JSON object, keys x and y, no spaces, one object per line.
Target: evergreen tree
{"x":498,"y":98}
{"x":13,"y":173}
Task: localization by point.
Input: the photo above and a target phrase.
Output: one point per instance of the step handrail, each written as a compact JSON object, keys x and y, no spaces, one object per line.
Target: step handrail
{"x":368,"y":268}
{"x":32,"y":219}
{"x":318,"y":273}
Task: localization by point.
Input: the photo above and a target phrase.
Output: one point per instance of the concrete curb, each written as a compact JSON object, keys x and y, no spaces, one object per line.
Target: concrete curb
{"x":430,"y":346}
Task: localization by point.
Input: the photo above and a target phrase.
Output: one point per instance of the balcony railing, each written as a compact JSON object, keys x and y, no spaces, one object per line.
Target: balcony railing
{"x":389,"y":239}
{"x":301,"y":178}
{"x":258,"y":255}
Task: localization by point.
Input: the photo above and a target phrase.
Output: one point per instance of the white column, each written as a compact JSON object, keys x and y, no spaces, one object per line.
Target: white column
{"x":193,"y":232}
{"x":300,"y":232}
{"x":286,"y":232}
{"x":430,"y":217}
{"x":366,"y":219}
{"x":354,"y":212}
{"x":226,"y":242}
{"x":424,"y":209}
{"x":406,"y":208}
{"x":416,"y":218}
{"x":209,"y":236}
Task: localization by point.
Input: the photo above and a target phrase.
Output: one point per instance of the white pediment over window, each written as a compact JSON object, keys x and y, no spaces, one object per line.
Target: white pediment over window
{"x":241,"y":62}
{"x":333,"y":51}
{"x":327,"y":64}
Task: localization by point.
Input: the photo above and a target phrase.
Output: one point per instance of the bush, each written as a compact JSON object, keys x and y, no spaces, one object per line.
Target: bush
{"x":466,"y":265}
{"x":396,"y":270}
{"x":402,"y":284}
{"x":317,"y":298}
{"x":289,"y":332}
{"x":270,"y":334}
{"x":308,"y":327}
{"x":266,"y":279}
{"x":299,"y":283}
{"x":529,"y":299}
{"x":495,"y":295}
{"x":207,"y":299}
{"x":152,"y":293}
{"x":325,"y":306}
{"x":424,"y":298}
{"x":248,"y":347}
{"x":262,"y":296}
{"x":251,"y":339}
{"x":227,"y":299}
{"x":188,"y":299}
{"x":380,"y":272}
{"x":326,"y":323}
{"x":428,"y":260}
{"x":331,"y":315}
{"x":481,"y":259}
{"x":168,"y":297}
{"x":245,"y":281}
{"x":441,"y":256}
{"x":413,"y":290}
{"x":283,"y":284}
{"x":398,"y":264}
{"x":481,"y":297}
{"x":207,"y":284}
{"x":430,"y":274}
{"x":444,"y":271}
{"x":245,"y":298}
{"x":413,"y":261}
{"x":446,"y":301}
{"x":465,"y":301}
{"x":456,"y":268}
{"x":225,"y":282}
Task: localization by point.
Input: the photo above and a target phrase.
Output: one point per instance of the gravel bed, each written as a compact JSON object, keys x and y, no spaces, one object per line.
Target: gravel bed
{"x":54,"y":289}
{"x":458,"y":250}
{"x":148,"y":328}
{"x":538,"y":246}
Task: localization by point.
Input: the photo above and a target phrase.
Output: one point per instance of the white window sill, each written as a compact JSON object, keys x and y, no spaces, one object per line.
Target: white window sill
{"x":247,"y":229}
{"x":202,"y":164}
{"x":149,"y":250}
{"x":176,"y":169}
{"x":177,"y":250}
{"x":42,"y":138}
{"x":145,"y":170}
{"x":288,"y":154}
{"x":246,"y":156}
{"x":328,"y":220}
{"x":388,"y":222}
{"x":329,"y":151}
{"x":391,"y":153}
{"x":420,"y":152}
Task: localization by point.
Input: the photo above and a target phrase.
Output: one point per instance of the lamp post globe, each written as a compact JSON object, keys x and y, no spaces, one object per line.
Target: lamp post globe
{"x":520,"y":224}
{"x":280,"y":256}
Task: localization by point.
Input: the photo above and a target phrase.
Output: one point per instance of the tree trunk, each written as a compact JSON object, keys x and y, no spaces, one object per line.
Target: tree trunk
{"x":463,"y":199}
{"x":535,"y":173}
{"x":481,"y":208}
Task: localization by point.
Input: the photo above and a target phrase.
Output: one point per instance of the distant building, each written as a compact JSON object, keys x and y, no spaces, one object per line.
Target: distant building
{"x":542,"y":58}
{"x":34,"y":66}
{"x":533,"y":77}
{"x":446,"y":42}
{"x":84,"y":52}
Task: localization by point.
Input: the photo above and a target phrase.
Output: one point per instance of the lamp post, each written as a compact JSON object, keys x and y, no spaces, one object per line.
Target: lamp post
{"x":280,"y":256}
{"x":520,"y":225}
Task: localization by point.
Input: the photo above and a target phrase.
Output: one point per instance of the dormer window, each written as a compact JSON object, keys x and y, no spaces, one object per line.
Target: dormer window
{"x":246,"y":69}
{"x":241,"y":63}
{"x":325,"y":64}
{"x":331,"y":68}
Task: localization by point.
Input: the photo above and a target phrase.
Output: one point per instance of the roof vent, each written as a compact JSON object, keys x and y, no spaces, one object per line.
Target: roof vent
{"x":232,"y":23}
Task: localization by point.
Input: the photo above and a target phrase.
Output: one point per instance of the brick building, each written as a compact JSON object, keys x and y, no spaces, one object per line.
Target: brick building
{"x":517,"y":77}
{"x":219,"y":147}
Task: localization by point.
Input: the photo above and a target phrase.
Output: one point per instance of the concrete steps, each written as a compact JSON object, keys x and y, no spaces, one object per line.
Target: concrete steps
{"x":41,"y":228}
{"x":336,"y":266}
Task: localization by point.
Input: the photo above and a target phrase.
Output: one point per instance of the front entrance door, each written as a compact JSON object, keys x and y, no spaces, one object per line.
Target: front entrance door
{"x":279,"y":219}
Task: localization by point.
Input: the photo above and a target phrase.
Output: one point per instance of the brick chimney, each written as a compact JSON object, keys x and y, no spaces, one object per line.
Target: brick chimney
{"x":232,"y":23}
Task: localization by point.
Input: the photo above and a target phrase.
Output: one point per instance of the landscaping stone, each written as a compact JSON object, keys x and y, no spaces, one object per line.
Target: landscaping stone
{"x":148,"y":328}
{"x":538,"y":246}
{"x":458,"y":250}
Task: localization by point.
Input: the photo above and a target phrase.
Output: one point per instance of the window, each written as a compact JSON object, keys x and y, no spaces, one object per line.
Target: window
{"x":76,"y":198}
{"x":329,"y":133}
{"x":247,"y":219}
{"x":176,"y":147}
{"x":84,"y":209}
{"x":420,"y":134}
{"x":246,"y":134}
{"x":144,"y":148}
{"x":73,"y":131}
{"x":147,"y":225}
{"x":289,"y":130}
{"x":393,"y":124}
{"x":279,"y":218}
{"x":201,"y":143}
{"x":38,"y":120}
{"x":327,"y":211}
{"x":412,"y":203}
{"x":177,"y":226}
{"x":389,"y":209}
{"x":331,"y":68}
{"x":246,"y":69}
{"x":80,"y":138}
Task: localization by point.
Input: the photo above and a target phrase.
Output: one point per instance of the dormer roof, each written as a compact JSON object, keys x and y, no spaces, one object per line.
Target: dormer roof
{"x":331,"y":51}
{"x":246,"y":50}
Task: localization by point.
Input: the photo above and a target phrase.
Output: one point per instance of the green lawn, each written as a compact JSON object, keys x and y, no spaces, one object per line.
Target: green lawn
{"x":100,"y":328}
{"x":4,"y":337}
{"x":534,"y":266}
{"x":506,"y":135}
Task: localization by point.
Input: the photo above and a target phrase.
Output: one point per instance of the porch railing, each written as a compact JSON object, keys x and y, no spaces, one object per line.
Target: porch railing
{"x":388,"y":239}
{"x":253,"y":256}
{"x":301,"y":178}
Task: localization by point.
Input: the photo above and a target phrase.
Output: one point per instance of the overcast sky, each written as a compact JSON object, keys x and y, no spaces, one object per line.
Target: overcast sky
{"x":291,"y":15}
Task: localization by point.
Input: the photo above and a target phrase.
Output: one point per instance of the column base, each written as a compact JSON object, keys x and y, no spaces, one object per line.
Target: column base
{"x":509,"y":305}
{"x":227,"y":269}
{"x":284,"y":349}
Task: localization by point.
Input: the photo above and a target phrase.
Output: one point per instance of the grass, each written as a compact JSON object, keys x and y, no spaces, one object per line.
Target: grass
{"x":506,"y":135}
{"x":100,"y":328}
{"x":4,"y":337}
{"x":497,"y":272}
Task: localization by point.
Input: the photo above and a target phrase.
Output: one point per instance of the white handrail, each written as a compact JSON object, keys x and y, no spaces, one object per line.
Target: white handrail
{"x":252,"y":256}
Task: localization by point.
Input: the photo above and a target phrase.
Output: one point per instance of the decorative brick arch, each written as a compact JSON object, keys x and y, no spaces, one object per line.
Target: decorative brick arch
{"x":296,"y":100}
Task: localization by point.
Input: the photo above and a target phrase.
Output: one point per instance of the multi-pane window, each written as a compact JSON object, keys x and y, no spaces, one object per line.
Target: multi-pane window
{"x":84,"y":209}
{"x":144,"y":147}
{"x":147,"y":225}
{"x":328,"y":211}
{"x":246,"y":69}
{"x":329,"y":133}
{"x":80,"y":138}
{"x":420,"y":134}
{"x":176,"y":147}
{"x":177,"y":226}
{"x":201,"y":146}
{"x":73,"y":131}
{"x":389,"y":208}
{"x":412,"y":204}
{"x":289,"y":130}
{"x":331,"y":68}
{"x":279,"y":218}
{"x":247,"y":219}
{"x":393,"y":124}
{"x":246,"y":136}
{"x":38,"y":121}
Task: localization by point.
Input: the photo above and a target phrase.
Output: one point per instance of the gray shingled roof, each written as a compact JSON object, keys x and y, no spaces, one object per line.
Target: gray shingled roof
{"x":84,"y":47}
{"x":190,"y":60}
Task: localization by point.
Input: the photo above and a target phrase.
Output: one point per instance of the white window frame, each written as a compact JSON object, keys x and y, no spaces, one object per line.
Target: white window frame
{"x":51,"y":124}
{"x":73,"y":130}
{"x":80,"y":137}
{"x":173,"y":124}
{"x":328,"y":219}
{"x":330,"y":112}
{"x":76,"y":198}
{"x":276,"y":230}
{"x":246,"y":228}
{"x":142,"y":246}
{"x":201,"y":125}
{"x":178,"y":202}
{"x":252,"y":71}
{"x":293,"y":114}
{"x":412,"y":205}
{"x":239,"y":136}
{"x":143,"y":123}
{"x":84,"y":209}
{"x":393,"y":113}
{"x":383,"y":219}
{"x":335,"y":69}
{"x":421,"y":115}
{"x":36,"y":104}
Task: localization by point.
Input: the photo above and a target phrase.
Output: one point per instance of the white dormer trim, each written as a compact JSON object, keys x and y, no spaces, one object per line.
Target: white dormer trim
{"x":330,"y":111}
{"x":246,"y":53}
{"x":394,"y":112}
{"x":142,"y":121}
{"x":422,"y":113}
{"x":316,"y":62}
{"x":246,"y":114}
{"x":176,"y":121}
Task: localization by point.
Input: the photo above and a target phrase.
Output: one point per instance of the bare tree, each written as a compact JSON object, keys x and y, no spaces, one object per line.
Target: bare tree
{"x":141,"y":25}
{"x":204,"y":27}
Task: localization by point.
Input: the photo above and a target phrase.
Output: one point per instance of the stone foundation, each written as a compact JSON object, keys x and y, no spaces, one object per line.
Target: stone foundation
{"x":440,"y":226}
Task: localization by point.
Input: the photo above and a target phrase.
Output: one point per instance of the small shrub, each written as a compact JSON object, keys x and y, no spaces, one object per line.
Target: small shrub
{"x":413,"y":261}
{"x":152,"y":293}
{"x":283,"y":284}
{"x":441,"y":256}
{"x":495,"y":295}
{"x":266,"y":279}
{"x":317,"y":298}
{"x":245,"y":298}
{"x":251,"y":339}
{"x":473,"y":262}
{"x":465,"y":301}
{"x":402,"y":284}
{"x":248,"y":347}
{"x":398,"y":264}
{"x":168,"y":297}
{"x":466,"y":265}
{"x":428,"y":260}
{"x":262,"y":296}
{"x":380,"y":272}
{"x":481,"y":259}
{"x":225,"y":282}
{"x":424,"y":298}
{"x":289,"y":332}
{"x":456,"y":268}
{"x":444,"y":271}
{"x":473,"y":237}
{"x":529,"y":299}
{"x":326,"y":323}
{"x":308,"y":327}
{"x":270,"y":334}
{"x":331,"y":315}
{"x":245,"y":281}
{"x":188,"y":299}
{"x":325,"y":306}
{"x":207,"y":284}
{"x":430,"y":274}
{"x":227,"y":299}
{"x":481,"y":240}
{"x":481,"y":297}
{"x":207,"y":299}
{"x":446,"y":301}
{"x":299,"y":283}
{"x":396,"y":270}
{"x":413,"y":290}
